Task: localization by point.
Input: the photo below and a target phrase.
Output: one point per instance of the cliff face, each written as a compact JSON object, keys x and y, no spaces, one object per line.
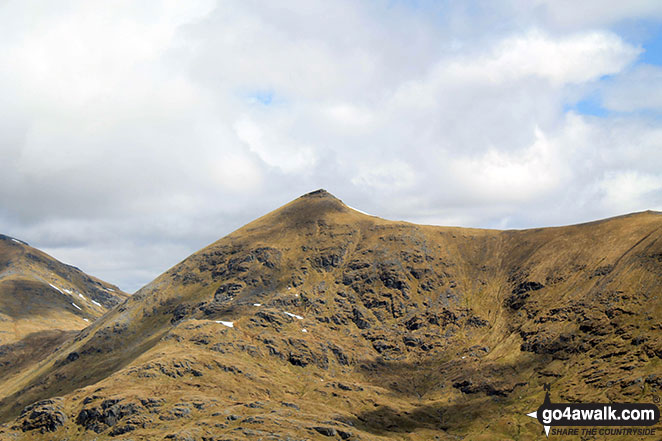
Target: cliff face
{"x":318,"y":321}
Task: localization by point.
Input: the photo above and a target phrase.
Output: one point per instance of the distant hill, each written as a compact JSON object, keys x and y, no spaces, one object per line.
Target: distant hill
{"x":318,"y":321}
{"x":37,"y":293}
{"x":43,"y":302}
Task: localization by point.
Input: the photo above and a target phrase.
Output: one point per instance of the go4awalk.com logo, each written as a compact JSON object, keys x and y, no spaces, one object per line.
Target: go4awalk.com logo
{"x":624,"y":419}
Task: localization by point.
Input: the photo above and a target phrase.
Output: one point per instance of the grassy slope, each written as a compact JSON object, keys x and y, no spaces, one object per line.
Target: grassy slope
{"x":37,"y":297}
{"x":34,"y":297}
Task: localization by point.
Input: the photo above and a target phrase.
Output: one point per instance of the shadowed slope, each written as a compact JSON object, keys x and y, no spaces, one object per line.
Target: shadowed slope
{"x":43,"y":302}
{"x":39,"y":293}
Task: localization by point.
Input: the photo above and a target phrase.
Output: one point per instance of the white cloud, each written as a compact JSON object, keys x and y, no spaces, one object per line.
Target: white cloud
{"x":281,"y":154}
{"x":630,"y":190}
{"x":511,"y":177}
{"x":345,"y":116}
{"x":236,"y":172}
{"x":392,"y":176}
{"x":640,"y":89}
{"x":575,"y":58}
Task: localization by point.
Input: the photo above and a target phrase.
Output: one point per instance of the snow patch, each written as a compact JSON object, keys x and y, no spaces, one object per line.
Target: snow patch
{"x":361,"y":211}
{"x":110,"y":290}
{"x":17,"y":241}
{"x":68,"y":291}
{"x":76,"y":306}
{"x":304,"y":330}
{"x":86,"y":320}
{"x":257,"y":304}
{"x":96,"y":303}
{"x":228,"y":324}
{"x":55,"y":287}
{"x":294,"y":315}
{"x":81,"y":296}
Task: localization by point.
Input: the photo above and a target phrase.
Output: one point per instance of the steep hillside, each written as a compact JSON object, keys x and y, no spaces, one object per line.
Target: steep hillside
{"x":38,"y":293}
{"x":43,"y":302}
{"x":319,"y":322}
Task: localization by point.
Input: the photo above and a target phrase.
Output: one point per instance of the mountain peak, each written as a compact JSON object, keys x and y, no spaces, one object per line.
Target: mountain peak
{"x":311,"y":206}
{"x":319,"y":193}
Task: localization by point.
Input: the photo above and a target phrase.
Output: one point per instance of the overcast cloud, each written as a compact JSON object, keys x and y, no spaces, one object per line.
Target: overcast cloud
{"x":134,"y":133}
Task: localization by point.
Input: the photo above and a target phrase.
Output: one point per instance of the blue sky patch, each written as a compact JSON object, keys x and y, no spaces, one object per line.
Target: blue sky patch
{"x":652,"y":49}
{"x":265,"y":97}
{"x":644,"y":33}
{"x":589,"y":106}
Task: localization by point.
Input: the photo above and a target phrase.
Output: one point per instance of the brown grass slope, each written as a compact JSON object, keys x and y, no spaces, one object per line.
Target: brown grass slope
{"x":42,"y":303}
{"x":347,"y":326}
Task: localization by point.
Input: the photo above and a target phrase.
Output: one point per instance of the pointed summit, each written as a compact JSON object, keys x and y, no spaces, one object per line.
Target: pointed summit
{"x":315,"y":204}
{"x":319,"y":195}
{"x":306,"y":209}
{"x":323,"y":194}
{"x":329,"y":201}
{"x":311,"y":208}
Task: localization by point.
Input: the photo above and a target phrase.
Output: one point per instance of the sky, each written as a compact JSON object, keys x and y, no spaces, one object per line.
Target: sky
{"x":133,"y":134}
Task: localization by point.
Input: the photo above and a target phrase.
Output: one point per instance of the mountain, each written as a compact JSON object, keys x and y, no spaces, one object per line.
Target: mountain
{"x":317,"y":321}
{"x":39,"y":293}
{"x":43,"y":302}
